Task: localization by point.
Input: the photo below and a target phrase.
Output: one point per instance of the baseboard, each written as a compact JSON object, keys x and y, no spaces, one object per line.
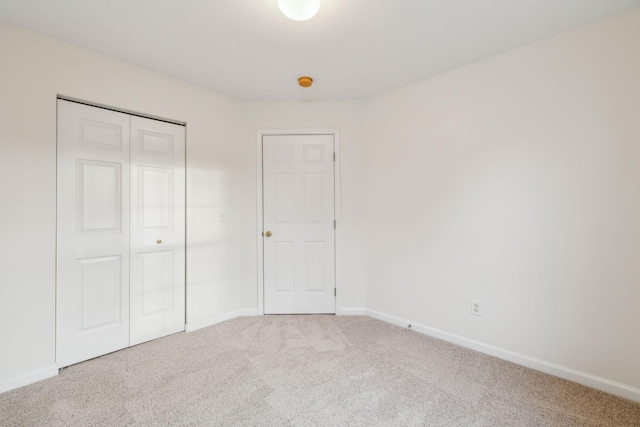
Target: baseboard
{"x":248,"y":312}
{"x":599,"y":383}
{"x":11,"y":383}
{"x":210,"y":321}
{"x":352,"y":311}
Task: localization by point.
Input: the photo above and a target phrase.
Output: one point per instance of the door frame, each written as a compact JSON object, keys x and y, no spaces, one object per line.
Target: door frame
{"x":259,"y":207}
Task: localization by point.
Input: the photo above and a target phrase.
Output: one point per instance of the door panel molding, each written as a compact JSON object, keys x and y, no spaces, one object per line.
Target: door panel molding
{"x":310,"y":156}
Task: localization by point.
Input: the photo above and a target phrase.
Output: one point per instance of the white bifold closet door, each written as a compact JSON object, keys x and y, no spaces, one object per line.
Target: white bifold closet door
{"x":92,"y":282}
{"x":157,"y":229}
{"x":121,"y":231}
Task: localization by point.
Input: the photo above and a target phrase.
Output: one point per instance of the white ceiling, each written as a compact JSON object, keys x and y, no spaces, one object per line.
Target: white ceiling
{"x":354,"y":49}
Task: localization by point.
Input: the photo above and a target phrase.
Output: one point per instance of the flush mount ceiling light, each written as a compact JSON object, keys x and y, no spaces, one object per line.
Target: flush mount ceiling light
{"x":299,"y":10}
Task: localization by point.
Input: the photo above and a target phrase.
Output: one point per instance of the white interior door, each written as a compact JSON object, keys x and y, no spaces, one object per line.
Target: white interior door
{"x":298,"y":215}
{"x":93,"y":232}
{"x":121,"y":231}
{"x":157,"y":229}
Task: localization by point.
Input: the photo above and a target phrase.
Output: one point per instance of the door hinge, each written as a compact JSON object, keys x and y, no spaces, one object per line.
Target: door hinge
{"x":335,"y":292}
{"x":334,"y":157}
{"x":335,"y":225}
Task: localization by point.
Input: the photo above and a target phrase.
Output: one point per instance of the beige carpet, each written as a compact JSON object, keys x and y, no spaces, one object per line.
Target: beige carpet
{"x":307,"y":371}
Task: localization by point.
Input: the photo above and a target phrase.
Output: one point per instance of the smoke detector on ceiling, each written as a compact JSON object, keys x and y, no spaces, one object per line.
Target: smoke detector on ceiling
{"x":305,"y":81}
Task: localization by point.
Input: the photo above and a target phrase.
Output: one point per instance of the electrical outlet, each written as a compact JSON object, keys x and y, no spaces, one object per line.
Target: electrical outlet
{"x":476,"y":307}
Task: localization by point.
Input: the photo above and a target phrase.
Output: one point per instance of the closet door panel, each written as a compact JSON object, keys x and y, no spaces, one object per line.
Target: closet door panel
{"x":157,"y":229}
{"x":92,"y":285}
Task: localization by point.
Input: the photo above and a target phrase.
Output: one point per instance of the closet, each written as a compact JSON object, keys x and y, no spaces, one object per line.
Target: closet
{"x":120,"y":231}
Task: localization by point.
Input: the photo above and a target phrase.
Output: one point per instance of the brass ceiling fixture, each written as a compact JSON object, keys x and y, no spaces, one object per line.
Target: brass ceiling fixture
{"x":305,"y":81}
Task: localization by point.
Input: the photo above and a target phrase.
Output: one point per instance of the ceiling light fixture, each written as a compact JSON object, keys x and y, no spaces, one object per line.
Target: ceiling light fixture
{"x":299,"y":10}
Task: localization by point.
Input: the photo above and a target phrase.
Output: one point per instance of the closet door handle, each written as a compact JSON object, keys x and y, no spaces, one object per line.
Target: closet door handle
{"x":159,"y":241}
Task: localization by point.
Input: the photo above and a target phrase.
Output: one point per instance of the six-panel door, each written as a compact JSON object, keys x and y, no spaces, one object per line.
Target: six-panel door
{"x":157,"y":229}
{"x":92,"y":233}
{"x":298,"y":214}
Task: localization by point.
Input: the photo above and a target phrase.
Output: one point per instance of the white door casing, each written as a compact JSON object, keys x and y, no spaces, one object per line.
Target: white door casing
{"x":298,"y":223}
{"x":121,"y":190}
{"x":93,"y":232}
{"x":157,"y":229}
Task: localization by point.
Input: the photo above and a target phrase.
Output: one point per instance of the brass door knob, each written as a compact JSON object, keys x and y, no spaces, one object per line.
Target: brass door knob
{"x":159,"y":241}
{"x":268,"y":234}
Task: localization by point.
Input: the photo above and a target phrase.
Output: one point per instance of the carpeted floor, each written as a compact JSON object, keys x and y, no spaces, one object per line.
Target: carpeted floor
{"x":307,"y":371}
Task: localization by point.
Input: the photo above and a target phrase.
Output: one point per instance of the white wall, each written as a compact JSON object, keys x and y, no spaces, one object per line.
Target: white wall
{"x":348,"y":118}
{"x":33,"y":71}
{"x":516,"y":181}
